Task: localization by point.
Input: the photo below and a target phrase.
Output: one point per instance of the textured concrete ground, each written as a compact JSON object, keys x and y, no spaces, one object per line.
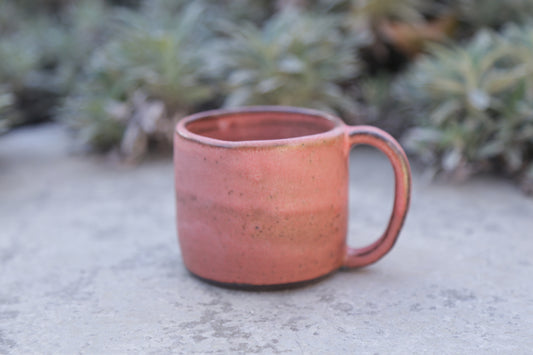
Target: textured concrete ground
{"x":89,"y":263}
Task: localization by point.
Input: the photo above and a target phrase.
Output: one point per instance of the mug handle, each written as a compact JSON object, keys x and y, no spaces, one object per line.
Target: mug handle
{"x":375,"y":137}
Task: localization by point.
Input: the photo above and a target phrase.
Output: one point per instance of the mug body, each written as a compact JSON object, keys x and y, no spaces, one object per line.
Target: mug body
{"x":261,"y":194}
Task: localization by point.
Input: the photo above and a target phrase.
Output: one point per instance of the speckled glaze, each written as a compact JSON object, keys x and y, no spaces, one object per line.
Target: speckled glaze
{"x":262,"y":194}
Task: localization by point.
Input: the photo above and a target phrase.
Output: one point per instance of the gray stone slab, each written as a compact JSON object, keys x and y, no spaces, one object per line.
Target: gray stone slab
{"x":89,"y":263}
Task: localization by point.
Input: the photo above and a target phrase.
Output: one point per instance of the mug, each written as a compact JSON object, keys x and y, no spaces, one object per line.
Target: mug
{"x":262,"y":194}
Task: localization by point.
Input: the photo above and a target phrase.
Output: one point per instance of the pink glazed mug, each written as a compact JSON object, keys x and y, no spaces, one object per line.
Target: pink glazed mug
{"x":262,"y":194}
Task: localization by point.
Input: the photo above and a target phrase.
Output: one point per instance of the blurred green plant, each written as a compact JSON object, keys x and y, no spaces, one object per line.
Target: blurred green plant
{"x":473,"y":107}
{"x":21,"y":76}
{"x":375,"y":93}
{"x":41,"y":53}
{"x":6,"y":110}
{"x":85,"y":26}
{"x":395,"y":31}
{"x":476,"y":14}
{"x":130,"y":71}
{"x":239,"y":11}
{"x":378,"y":105}
{"x":295,"y":59}
{"x":141,"y":82}
{"x":20,"y":58}
{"x":379,"y":10}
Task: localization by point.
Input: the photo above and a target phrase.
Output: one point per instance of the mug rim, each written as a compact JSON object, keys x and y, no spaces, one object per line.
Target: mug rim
{"x":185,"y":133}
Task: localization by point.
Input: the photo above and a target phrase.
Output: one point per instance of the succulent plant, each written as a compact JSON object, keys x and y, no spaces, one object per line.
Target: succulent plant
{"x":289,"y":61}
{"x":473,"y":107}
{"x":41,"y":53}
{"x":19,"y":58}
{"x":239,"y":11}
{"x":378,"y":106}
{"x":139,"y":83}
{"x":7,"y":114}
{"x":393,"y":31}
{"x":22,"y":71}
{"x":86,"y":26}
{"x":403,"y":10}
{"x":492,"y":13}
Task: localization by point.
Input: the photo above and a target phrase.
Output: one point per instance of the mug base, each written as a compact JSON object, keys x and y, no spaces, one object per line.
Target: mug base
{"x":253,"y":287}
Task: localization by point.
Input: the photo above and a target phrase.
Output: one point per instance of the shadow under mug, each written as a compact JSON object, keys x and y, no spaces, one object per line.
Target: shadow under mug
{"x":262,"y":194}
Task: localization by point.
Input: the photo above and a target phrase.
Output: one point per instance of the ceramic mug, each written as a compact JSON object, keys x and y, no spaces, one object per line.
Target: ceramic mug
{"x":262,"y":194}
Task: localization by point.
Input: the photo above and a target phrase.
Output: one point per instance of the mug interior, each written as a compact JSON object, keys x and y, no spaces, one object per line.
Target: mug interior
{"x":259,"y":126}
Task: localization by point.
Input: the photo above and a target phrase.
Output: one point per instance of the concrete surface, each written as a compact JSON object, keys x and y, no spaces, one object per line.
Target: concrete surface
{"x":89,"y":263}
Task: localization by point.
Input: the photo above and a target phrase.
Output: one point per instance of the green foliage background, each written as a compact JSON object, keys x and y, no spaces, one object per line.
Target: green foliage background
{"x":453,"y":79}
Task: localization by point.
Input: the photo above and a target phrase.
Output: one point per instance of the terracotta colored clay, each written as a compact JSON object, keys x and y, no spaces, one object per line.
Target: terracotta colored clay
{"x":262,"y":194}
